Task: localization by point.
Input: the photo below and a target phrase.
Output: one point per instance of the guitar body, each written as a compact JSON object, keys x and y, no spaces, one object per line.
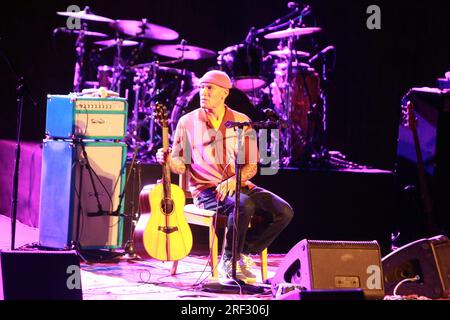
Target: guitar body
{"x":144,"y":208}
{"x":161,"y":236}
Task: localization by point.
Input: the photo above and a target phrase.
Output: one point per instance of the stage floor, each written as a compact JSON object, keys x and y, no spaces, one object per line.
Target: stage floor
{"x":149,"y":279}
{"x":123,"y":278}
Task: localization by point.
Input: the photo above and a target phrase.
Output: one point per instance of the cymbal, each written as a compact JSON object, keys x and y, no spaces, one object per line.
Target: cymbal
{"x":179,"y":51}
{"x":289,"y":32}
{"x":285,"y":52}
{"x":85,"y":32}
{"x":144,"y":29}
{"x":113,"y":42}
{"x":85,"y":16}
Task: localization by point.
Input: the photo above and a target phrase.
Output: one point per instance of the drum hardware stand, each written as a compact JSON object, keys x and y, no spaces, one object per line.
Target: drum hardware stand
{"x":118,"y":67}
{"x":134,"y":124}
{"x":153,"y":92}
{"x":181,"y":91}
{"x":288,"y":106}
{"x":78,"y":80}
{"x":322,"y":155}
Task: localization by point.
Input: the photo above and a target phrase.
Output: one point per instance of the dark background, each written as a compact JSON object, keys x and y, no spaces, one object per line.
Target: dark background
{"x":374,"y":68}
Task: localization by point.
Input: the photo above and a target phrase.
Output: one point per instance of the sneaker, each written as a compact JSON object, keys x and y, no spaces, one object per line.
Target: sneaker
{"x":226,"y":269}
{"x":246,"y":264}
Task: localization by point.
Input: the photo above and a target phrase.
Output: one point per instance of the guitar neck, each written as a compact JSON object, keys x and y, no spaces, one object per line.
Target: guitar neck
{"x":421,"y":173}
{"x":166,"y":167}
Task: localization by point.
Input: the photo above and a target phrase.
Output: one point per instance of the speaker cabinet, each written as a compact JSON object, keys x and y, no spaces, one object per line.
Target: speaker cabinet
{"x":40,"y":275}
{"x":332,"y":265}
{"x":81,"y":185}
{"x":427,"y":258}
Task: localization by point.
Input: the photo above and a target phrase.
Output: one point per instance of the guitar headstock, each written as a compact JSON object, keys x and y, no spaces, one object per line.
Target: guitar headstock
{"x":161,"y":115}
{"x":409,"y":119}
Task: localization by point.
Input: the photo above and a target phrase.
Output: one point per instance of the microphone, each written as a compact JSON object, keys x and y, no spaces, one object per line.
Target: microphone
{"x":271,"y":114}
{"x":233,"y":124}
{"x":259,"y":124}
{"x":292,"y":5}
{"x":321,"y":53}
{"x":274,"y":119}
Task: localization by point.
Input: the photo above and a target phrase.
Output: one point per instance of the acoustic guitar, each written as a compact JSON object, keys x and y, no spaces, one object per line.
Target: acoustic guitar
{"x":162,"y":231}
{"x":410,"y":121}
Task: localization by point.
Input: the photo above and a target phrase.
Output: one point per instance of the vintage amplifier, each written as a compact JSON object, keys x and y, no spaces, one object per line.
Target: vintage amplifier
{"x":72,"y":116}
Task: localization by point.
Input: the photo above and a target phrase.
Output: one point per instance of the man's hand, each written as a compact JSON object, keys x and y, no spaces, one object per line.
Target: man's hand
{"x":162,"y":157}
{"x":176,"y":165}
{"x":227,"y":187}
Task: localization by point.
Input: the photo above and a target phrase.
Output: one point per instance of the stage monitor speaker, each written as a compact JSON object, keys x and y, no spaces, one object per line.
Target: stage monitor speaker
{"x":78,"y":204}
{"x":332,"y":265}
{"x":427,"y":258}
{"x":40,"y":275}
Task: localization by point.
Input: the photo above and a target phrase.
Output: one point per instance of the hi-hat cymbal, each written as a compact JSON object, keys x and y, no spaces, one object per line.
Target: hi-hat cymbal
{"x":113,"y":42}
{"x":289,"y":32}
{"x":144,"y":29}
{"x":179,"y":51}
{"x":286,"y":52}
{"x":85,"y":16}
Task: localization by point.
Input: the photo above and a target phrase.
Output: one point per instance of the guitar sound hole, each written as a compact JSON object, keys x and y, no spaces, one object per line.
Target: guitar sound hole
{"x":167,"y":206}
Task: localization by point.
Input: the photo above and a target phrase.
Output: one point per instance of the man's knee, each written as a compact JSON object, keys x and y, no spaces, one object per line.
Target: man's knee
{"x":247,"y":205}
{"x":286,"y":213}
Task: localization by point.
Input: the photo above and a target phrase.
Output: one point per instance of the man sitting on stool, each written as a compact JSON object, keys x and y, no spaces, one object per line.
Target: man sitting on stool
{"x":203,"y":143}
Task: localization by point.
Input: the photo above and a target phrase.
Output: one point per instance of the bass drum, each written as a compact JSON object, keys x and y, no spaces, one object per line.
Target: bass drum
{"x":236,"y":100}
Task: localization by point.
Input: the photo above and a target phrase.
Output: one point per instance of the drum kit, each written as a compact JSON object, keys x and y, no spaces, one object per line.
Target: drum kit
{"x":280,"y":80}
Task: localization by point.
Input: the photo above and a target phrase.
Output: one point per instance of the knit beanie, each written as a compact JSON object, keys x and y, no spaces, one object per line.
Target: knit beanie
{"x":216,"y":77}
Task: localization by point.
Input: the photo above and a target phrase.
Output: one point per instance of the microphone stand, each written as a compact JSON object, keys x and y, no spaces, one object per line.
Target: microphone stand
{"x":20,"y":95}
{"x":237,"y":196}
{"x":22,"y":91}
{"x":235,"y":285}
{"x":278,"y":24}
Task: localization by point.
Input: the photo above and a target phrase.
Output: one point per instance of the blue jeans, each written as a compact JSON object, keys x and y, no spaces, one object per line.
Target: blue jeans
{"x":274,"y":211}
